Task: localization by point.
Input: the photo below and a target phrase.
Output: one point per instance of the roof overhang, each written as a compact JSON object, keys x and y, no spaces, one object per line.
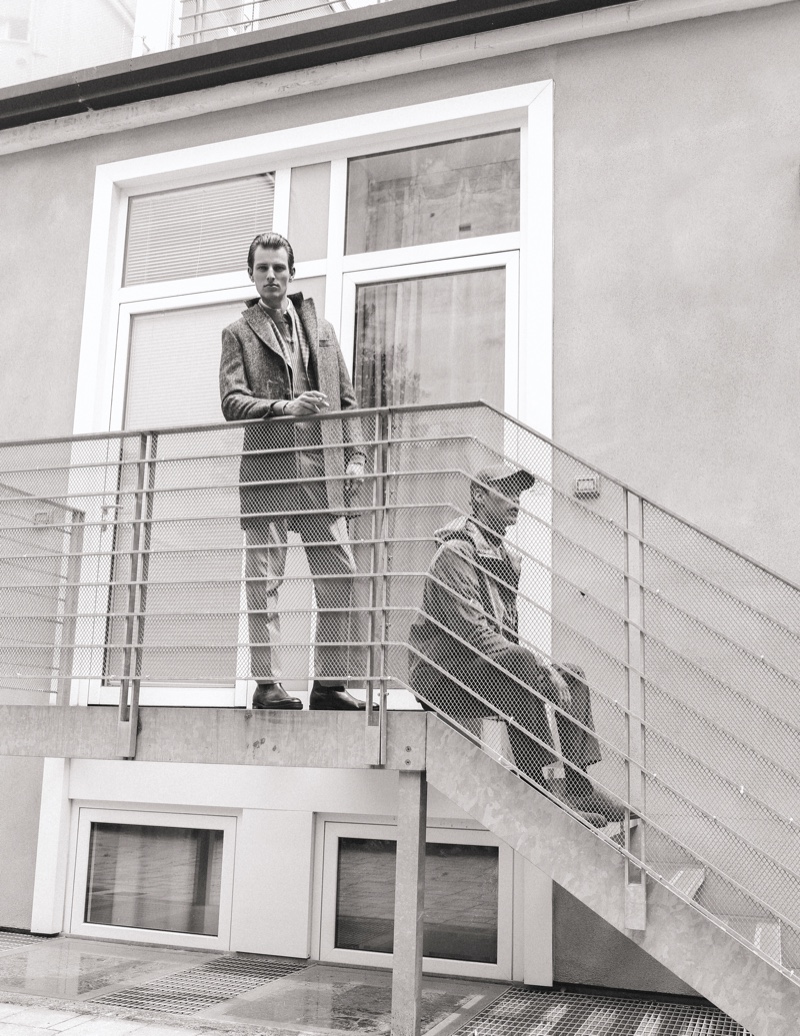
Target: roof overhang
{"x":286,"y":48}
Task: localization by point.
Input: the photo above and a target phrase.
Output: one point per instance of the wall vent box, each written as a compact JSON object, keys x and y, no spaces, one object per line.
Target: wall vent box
{"x":588,"y":487}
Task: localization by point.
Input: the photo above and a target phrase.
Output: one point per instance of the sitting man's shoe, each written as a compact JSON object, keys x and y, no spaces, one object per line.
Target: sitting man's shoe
{"x":334,"y":696}
{"x":591,"y":818}
{"x":273,"y":696}
{"x":599,"y":802}
{"x":580,"y":806}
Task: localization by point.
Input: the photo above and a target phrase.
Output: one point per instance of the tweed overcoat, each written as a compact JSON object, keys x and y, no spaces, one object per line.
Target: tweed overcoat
{"x":253,"y":378}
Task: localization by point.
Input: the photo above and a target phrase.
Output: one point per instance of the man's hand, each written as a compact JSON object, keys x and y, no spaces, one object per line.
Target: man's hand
{"x":355,"y":473}
{"x":312,"y":402}
{"x":561,"y":688}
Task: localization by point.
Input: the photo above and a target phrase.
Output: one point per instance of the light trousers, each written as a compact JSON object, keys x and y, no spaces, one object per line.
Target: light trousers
{"x":330,"y":559}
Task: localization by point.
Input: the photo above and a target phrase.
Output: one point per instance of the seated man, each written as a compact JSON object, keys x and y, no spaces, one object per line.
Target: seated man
{"x":466,"y":661}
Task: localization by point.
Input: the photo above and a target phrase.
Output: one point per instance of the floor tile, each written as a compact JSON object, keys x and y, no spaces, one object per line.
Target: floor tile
{"x":14,"y":1029}
{"x":44,"y":1017}
{"x":98,"y":1026}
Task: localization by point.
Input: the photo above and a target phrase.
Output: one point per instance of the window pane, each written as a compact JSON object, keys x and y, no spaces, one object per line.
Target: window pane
{"x":194,"y":231}
{"x":461,"y":896}
{"x":312,"y":288}
{"x":164,"y":878}
{"x":190,"y":634}
{"x":441,"y":192}
{"x":309,"y":199}
{"x":432,"y":339}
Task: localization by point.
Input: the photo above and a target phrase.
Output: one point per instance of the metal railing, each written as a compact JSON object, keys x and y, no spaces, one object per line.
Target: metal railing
{"x":205,"y":20}
{"x":123,"y":578}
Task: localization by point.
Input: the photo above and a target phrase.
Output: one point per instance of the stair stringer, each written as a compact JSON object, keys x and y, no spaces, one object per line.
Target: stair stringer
{"x":720,"y":968}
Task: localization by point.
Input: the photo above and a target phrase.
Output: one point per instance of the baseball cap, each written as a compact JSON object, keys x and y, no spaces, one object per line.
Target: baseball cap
{"x":505,"y":477}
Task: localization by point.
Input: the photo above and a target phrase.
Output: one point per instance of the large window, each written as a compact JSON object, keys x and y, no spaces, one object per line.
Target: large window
{"x":154,"y":877}
{"x":468,"y":888}
{"x":164,"y":878}
{"x":439,"y":338}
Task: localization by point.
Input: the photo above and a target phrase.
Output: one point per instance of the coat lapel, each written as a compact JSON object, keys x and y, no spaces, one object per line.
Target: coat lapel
{"x":261,"y":325}
{"x":307,"y":314}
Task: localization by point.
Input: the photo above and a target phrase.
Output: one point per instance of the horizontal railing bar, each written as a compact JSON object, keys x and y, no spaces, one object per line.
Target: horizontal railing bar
{"x":199,"y":429}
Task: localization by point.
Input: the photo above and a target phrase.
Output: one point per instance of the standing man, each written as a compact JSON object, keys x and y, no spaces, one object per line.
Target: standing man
{"x":465,"y":647}
{"x":280,"y":361}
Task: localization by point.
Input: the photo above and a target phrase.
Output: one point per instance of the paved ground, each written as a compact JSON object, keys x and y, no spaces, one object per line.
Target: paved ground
{"x":83,"y":987}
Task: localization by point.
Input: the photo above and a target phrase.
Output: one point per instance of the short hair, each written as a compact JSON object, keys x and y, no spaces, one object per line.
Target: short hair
{"x":269,"y":240}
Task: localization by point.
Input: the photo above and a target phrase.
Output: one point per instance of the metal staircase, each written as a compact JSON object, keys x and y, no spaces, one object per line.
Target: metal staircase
{"x":121,"y":577}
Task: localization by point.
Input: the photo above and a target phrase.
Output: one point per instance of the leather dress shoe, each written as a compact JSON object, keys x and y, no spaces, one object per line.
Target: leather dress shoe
{"x":580,"y":806}
{"x":334,"y":697}
{"x":273,"y":696}
{"x":613,"y":809}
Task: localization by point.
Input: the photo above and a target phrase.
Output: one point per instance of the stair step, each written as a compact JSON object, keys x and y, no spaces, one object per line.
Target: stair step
{"x":686,"y":879}
{"x":762,"y":932}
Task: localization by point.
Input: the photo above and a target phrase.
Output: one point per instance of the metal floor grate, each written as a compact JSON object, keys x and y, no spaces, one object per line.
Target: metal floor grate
{"x":188,"y":992}
{"x":521,"y":1012}
{"x":21,"y":939}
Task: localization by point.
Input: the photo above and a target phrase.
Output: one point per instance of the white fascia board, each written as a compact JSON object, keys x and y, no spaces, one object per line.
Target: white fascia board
{"x":625,"y":17}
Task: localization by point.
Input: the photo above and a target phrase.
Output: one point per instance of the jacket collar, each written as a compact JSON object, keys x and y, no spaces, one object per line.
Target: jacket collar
{"x":261,"y":324}
{"x":466,"y":528}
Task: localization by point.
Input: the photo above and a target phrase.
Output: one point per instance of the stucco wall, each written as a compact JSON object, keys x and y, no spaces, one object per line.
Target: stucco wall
{"x":21,"y":781}
{"x":676,"y":301}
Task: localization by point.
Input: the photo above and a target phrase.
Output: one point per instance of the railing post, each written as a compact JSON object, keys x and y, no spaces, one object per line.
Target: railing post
{"x":69,"y":625}
{"x":409,"y":903}
{"x":128,"y":722}
{"x":635,"y":878}
{"x":375,"y":732}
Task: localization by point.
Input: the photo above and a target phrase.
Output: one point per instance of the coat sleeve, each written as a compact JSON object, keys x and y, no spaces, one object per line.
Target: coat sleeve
{"x":239,"y":402}
{"x":455,"y":600}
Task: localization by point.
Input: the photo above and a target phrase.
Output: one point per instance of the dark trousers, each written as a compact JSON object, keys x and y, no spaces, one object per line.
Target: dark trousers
{"x":506,"y":683}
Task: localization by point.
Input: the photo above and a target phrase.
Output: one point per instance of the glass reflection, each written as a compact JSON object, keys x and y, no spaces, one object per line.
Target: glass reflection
{"x":440,"y":192}
{"x":461,"y":895}
{"x":162,"y":878}
{"x":432,"y":339}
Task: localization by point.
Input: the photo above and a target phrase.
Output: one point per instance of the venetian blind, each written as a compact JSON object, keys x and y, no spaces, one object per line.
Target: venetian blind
{"x":173,"y":370}
{"x":195,"y":231}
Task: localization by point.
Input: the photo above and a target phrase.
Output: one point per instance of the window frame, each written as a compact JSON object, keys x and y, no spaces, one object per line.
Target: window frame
{"x":333,"y":830}
{"x":507,"y":260}
{"x":528,"y":108}
{"x":76,"y":898}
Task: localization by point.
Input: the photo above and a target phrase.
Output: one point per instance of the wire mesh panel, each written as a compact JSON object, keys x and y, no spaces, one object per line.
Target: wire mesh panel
{"x":610,"y":654}
{"x":38,"y":539}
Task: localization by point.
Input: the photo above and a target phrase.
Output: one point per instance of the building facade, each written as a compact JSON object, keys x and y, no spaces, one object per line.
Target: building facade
{"x":588,"y":219}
